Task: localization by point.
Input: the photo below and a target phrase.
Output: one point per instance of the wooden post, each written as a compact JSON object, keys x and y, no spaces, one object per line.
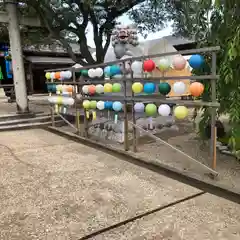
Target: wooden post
{"x":214,"y":162}
{"x":213,"y":109}
{"x":133,"y":119}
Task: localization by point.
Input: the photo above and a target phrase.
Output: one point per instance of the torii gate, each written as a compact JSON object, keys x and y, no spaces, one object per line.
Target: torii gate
{"x":12,"y":18}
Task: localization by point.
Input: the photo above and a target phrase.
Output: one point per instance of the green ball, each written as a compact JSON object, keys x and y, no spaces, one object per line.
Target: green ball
{"x":116,"y":87}
{"x":93,"y":104}
{"x":84,"y":72}
{"x":164,"y":88}
{"x":151,"y":109}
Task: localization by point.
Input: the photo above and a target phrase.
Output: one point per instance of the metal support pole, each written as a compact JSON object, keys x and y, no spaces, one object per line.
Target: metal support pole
{"x":17,"y":60}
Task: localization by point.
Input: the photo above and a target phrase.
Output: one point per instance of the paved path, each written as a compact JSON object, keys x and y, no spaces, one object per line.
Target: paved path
{"x":55,"y":189}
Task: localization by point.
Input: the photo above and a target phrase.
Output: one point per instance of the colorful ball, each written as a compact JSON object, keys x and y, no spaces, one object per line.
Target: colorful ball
{"x":107,"y":71}
{"x":117,"y":106}
{"x":48,"y":75}
{"x":107,"y":87}
{"x":164,"y":110}
{"x":68,"y":74}
{"x":115,"y":69}
{"x":69,"y":88}
{"x":98,"y":72}
{"x":86,"y":104}
{"x":179,"y":88}
{"x":137,"y":67}
{"x":180,"y":112}
{"x":91,"y":89}
{"x":62,"y":75}
{"x":93,"y":104}
{"x":149,"y":65}
{"x":99,"y":88}
{"x":196,"y":89}
{"x":85,"y":89}
{"x":108,"y":105}
{"x":137,"y":87}
{"x":100,"y":105}
{"x":149,"y":88}
{"x":91,"y":73}
{"x":52,"y":75}
{"x":57,"y":75}
{"x":151,"y":109}
{"x":139,"y":107}
{"x":116,"y":87}
{"x":164,"y":65}
{"x":179,"y":63}
{"x":164,"y":88}
{"x":196,"y":61}
{"x":84,"y":72}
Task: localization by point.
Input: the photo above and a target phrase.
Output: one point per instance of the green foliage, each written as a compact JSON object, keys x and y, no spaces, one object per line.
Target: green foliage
{"x":219,"y":24}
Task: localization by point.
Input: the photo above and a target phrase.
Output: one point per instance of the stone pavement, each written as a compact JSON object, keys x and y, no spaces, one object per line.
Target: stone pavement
{"x":55,"y":189}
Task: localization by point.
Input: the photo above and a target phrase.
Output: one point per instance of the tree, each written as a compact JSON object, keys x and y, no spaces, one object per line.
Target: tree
{"x":72,"y":17}
{"x":29,"y":35}
{"x":212,"y":24}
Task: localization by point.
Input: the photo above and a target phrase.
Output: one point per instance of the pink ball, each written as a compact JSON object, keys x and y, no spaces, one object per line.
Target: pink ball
{"x":179,"y":63}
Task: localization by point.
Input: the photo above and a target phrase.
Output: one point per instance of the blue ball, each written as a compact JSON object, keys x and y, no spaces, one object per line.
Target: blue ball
{"x":149,"y":88}
{"x":107,"y":71}
{"x":117,"y":106}
{"x":115,"y":70}
{"x":108,"y":105}
{"x":196,"y":61}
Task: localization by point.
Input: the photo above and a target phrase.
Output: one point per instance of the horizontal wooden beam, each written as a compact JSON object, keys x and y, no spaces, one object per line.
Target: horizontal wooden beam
{"x":26,"y":21}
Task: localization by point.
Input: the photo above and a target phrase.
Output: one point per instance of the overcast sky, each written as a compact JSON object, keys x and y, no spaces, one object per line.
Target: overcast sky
{"x":125,"y":21}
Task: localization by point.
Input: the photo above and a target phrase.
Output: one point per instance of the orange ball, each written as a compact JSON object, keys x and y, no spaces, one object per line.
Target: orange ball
{"x":91,"y":90}
{"x":57,"y":75}
{"x":196,"y":89}
{"x":70,"y":89}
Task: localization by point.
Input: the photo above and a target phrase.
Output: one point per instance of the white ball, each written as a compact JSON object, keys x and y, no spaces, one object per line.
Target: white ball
{"x":179,"y":88}
{"x":62,"y":75}
{"x":91,"y":73}
{"x":98,"y":72}
{"x":85,"y":89}
{"x":52,"y":75}
{"x":100,"y":105}
{"x":164,"y":110}
{"x":68,"y":74}
{"x":99,"y":88}
{"x":136,"y":67}
{"x":69,"y":101}
{"x":164,"y":64}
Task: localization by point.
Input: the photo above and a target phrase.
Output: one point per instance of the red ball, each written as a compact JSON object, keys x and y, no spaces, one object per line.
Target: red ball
{"x":91,"y":90}
{"x":149,"y":65}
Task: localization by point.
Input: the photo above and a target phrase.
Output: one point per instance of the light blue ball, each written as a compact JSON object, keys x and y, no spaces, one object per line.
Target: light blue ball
{"x":117,"y":106}
{"x":196,"y":61}
{"x":115,"y":70}
{"x":107,"y":71}
{"x":149,"y":88}
{"x":108,"y":105}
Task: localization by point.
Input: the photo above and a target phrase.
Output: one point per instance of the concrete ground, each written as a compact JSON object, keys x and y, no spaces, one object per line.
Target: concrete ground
{"x":55,"y":189}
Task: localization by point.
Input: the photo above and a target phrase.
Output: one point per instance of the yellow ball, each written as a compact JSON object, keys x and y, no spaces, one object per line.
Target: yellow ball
{"x":180,"y":112}
{"x":107,"y":87}
{"x":48,"y":75}
{"x":86,"y":104}
{"x":137,"y":87}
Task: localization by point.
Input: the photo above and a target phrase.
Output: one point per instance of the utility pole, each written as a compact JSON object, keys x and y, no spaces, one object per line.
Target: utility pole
{"x":17,"y":59}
